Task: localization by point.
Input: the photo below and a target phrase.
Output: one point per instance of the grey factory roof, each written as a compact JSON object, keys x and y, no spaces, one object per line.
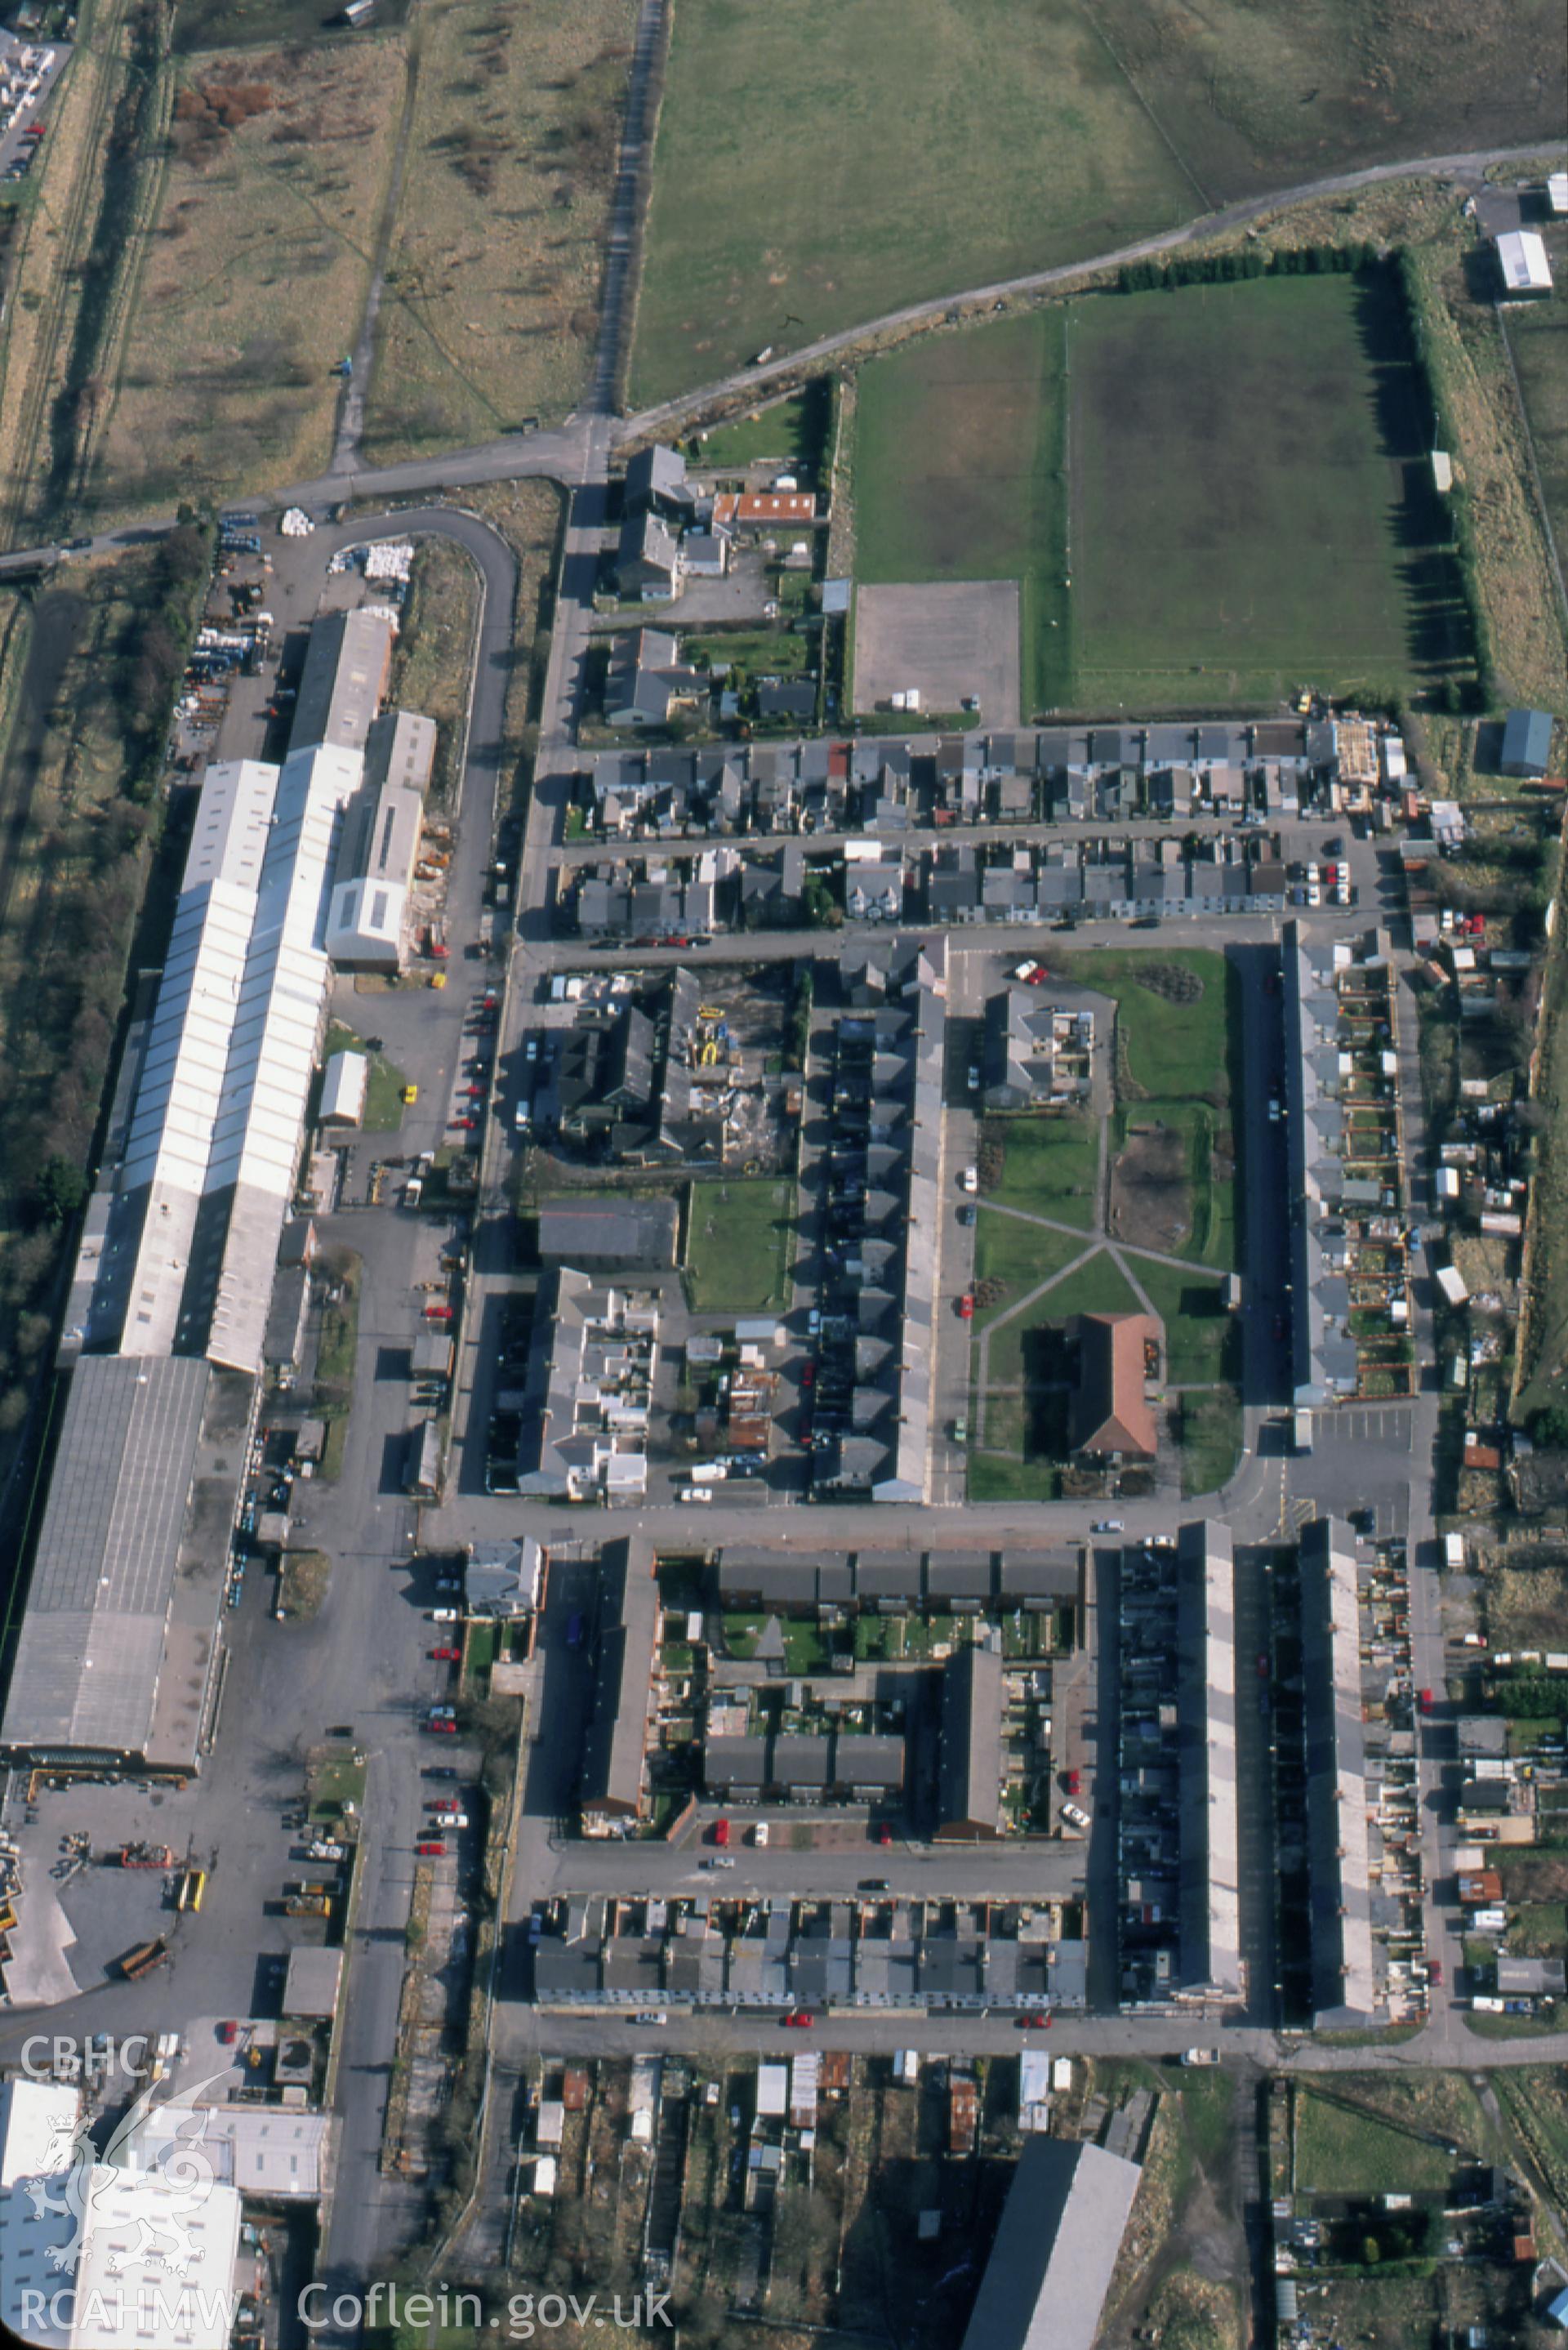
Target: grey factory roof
{"x":341,"y":683}
{"x":400,"y":750}
{"x":618,"y":1728}
{"x":970,"y":1753}
{"x":93,"y":1646}
{"x":1338,"y":1845}
{"x":624,"y":1232}
{"x":1055,"y":2251}
{"x":1206,"y":1703}
{"x":1527,"y":743}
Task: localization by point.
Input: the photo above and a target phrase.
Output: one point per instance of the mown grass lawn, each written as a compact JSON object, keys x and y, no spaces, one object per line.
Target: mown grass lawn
{"x":1211,"y":1428}
{"x":1021,"y":1254}
{"x":1196,"y":1326}
{"x":739,"y":1245}
{"x":1210,"y":427}
{"x":1343,"y":2153}
{"x":1172,"y":1050}
{"x":1048,"y":1165}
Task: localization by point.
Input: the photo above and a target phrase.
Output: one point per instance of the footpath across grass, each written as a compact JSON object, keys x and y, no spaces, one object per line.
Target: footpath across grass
{"x":740,"y":1242}
{"x":817,"y":165}
{"x":1048,"y":1166}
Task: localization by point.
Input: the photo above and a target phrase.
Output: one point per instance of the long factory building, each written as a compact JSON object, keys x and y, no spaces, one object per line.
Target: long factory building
{"x":161,"y":1356}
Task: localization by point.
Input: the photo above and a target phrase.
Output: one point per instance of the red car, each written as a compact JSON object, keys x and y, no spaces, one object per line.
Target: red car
{"x":446,"y":1656}
{"x":1033,"y":2023}
{"x":228,"y":2034}
{"x":886,"y":1837}
{"x":1428,"y":1700}
{"x":799,"y":2020}
{"x":438,"y":1313}
{"x":808,"y":1375}
{"x":466,"y":1124}
{"x":966,"y":1306}
{"x":430,"y":1851}
{"x":446,"y":1803}
{"x":1435,"y":1970}
{"x":721,"y":1833}
{"x":439,"y":1729}
{"x":1075,"y":1782}
{"x":1038,"y":976}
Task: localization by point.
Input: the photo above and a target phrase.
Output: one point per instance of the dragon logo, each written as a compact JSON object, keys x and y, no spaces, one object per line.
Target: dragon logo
{"x":76,"y":2178}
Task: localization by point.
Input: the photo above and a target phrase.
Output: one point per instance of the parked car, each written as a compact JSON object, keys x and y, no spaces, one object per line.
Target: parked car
{"x":654,"y":2017}
{"x":446,"y":1656}
{"x":431,"y":1851}
{"x":799,"y":2020}
{"x":1075,"y":1817}
{"x":966,"y":1306}
{"x":721,"y":1833}
{"x":1107,"y":1526}
{"x":1039,"y":2022}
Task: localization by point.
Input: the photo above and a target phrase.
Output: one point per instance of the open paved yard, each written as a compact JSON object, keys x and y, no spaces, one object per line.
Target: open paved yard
{"x":954,"y":641}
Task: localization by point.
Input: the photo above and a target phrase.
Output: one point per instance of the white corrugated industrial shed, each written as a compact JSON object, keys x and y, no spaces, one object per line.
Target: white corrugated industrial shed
{"x":342,"y":1089}
{"x":260,"y":2151}
{"x":257,"y":1139}
{"x":1557,"y":194}
{"x":37,"y":2123}
{"x":1522,"y":257}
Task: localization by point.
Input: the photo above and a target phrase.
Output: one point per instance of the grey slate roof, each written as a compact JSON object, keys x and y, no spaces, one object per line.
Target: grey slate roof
{"x":1055,"y":2251}
{"x":92,"y":1640}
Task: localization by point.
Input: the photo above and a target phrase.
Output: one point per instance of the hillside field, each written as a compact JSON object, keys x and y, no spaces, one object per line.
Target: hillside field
{"x":1232,"y":478}
{"x":824,"y":162}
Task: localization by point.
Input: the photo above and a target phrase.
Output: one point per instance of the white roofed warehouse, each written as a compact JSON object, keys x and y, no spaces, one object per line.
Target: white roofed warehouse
{"x":1523,"y":264}
{"x":119,"y":1642}
{"x":343,"y":1084}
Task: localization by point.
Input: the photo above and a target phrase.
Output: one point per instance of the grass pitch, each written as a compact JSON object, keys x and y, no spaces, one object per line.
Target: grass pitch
{"x":821,"y":163}
{"x":1232,"y":479}
{"x":738,"y":1246}
{"x":1251,"y":501}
